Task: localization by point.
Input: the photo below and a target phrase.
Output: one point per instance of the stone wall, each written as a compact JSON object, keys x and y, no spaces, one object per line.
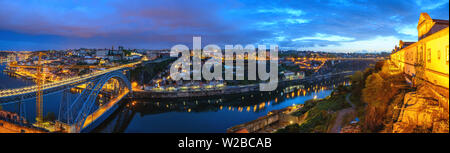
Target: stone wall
{"x":423,"y":112}
{"x":273,"y":117}
{"x":7,"y":127}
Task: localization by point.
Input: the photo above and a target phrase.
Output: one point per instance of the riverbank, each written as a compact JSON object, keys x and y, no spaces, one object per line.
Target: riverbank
{"x":208,"y":114}
{"x":337,"y":113}
{"x":315,"y":115}
{"x":235,"y":90}
{"x":269,"y":123}
{"x":380,"y":100}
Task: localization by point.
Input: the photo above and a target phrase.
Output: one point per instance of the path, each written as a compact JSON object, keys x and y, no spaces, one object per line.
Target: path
{"x":337,"y":124}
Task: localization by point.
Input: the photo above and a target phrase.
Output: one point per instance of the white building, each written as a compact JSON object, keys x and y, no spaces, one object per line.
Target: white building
{"x":101,"y":54}
{"x":90,"y":60}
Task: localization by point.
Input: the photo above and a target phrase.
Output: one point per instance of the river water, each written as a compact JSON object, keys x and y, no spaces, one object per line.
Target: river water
{"x":211,"y":115}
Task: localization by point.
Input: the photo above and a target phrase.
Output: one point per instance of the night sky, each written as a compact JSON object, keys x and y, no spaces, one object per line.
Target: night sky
{"x":320,"y":25}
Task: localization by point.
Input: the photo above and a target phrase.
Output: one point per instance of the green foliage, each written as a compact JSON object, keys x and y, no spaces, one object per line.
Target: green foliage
{"x":379,"y":91}
{"x":320,"y":114}
{"x":381,"y":94}
{"x":306,"y":107}
{"x":83,"y":72}
{"x":373,"y":93}
{"x":126,"y":52}
{"x":317,"y":122}
{"x":293,"y":128}
{"x":147,"y":72}
{"x":292,"y":68}
{"x":334,"y":103}
{"x":340,"y":89}
{"x":379,"y":65}
{"x":357,"y":77}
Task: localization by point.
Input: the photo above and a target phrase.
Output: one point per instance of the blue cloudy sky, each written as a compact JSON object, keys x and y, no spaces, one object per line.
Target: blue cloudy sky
{"x":321,"y":25}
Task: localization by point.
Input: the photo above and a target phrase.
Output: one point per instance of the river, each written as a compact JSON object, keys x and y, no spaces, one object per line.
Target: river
{"x":194,"y":115}
{"x":207,"y":115}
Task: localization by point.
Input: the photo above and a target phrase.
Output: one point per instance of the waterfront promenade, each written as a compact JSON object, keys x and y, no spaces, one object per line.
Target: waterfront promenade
{"x":230,"y":90}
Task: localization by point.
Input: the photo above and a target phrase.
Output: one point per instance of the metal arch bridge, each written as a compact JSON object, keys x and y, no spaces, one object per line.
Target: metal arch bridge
{"x":74,"y":114}
{"x":20,"y":94}
{"x":81,"y":112}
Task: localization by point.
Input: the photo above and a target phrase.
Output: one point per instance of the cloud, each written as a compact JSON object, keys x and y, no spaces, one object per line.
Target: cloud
{"x":431,"y":4}
{"x":327,"y":37}
{"x":410,"y":29}
{"x":162,"y":24}
{"x":377,"y":44}
{"x":288,"y":11}
{"x":297,"y":21}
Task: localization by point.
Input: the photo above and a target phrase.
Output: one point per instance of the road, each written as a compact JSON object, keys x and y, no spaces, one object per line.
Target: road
{"x":341,"y":114}
{"x":92,"y":117}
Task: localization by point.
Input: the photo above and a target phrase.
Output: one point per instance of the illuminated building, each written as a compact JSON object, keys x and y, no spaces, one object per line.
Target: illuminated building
{"x":428,"y":58}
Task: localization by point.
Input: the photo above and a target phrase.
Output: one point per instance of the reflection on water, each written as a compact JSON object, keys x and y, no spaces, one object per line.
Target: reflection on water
{"x":8,"y":80}
{"x":181,"y":115}
{"x":208,"y":114}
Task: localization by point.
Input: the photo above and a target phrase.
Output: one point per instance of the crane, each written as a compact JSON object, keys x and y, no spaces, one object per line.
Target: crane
{"x":39,"y":79}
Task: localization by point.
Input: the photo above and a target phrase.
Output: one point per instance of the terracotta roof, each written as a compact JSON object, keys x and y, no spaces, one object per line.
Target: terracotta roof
{"x":243,"y":130}
{"x":440,"y":24}
{"x":439,"y":21}
{"x":406,"y":44}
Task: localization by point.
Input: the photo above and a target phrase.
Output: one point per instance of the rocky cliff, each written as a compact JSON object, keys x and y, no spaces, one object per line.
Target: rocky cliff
{"x":423,"y":111}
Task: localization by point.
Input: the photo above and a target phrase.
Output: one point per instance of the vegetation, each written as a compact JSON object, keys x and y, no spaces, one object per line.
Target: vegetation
{"x":147,"y":72}
{"x":83,"y":72}
{"x":308,"y":105}
{"x":293,"y":128}
{"x":380,"y":94}
{"x":126,"y":52}
{"x":371,"y":94}
{"x":320,"y":114}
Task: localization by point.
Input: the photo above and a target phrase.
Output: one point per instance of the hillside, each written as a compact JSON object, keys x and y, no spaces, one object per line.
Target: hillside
{"x":382,"y":102}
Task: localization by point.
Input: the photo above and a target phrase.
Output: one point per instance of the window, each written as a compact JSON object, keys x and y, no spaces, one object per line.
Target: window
{"x":439,"y":54}
{"x":446,"y":54}
{"x":429,"y":55}
{"x":420,"y":55}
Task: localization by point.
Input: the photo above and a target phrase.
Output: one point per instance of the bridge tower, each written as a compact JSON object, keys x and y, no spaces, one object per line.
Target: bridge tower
{"x":40,"y":78}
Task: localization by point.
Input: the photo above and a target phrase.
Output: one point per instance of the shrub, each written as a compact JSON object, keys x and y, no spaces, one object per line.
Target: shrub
{"x":293,"y":128}
{"x":378,"y":94}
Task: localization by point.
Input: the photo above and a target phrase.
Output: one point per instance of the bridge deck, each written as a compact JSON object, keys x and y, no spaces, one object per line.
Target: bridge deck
{"x":98,"y":113}
{"x":33,"y":89}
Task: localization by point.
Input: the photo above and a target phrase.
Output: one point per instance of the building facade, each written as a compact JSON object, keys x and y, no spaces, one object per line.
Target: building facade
{"x":428,"y":58}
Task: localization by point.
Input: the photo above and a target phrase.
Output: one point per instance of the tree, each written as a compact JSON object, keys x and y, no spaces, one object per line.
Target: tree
{"x":379,"y":65}
{"x":378,"y":94}
{"x":374,"y":92}
{"x":126,"y":52}
{"x":293,"y":128}
{"x":358,"y":84}
{"x":357,"y":78}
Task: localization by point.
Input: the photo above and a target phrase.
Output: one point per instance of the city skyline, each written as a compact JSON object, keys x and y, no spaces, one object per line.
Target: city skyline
{"x":340,"y":26}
